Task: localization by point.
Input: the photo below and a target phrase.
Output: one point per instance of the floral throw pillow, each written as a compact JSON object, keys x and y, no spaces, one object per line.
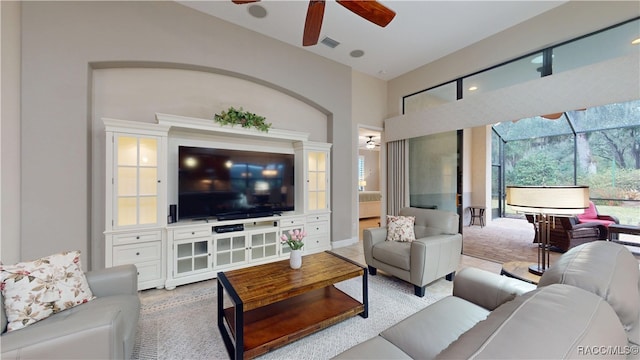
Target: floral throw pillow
{"x":400,"y":228}
{"x":36,"y":289}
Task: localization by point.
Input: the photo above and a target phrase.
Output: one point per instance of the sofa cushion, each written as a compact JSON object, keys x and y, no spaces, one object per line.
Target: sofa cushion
{"x":589,"y":213}
{"x":537,"y":325}
{"x":430,"y":330}
{"x":394,"y":253}
{"x":374,"y":348}
{"x":400,"y":228}
{"x":117,"y":315}
{"x":488,"y":289}
{"x":35,"y":290}
{"x":606,"y":269}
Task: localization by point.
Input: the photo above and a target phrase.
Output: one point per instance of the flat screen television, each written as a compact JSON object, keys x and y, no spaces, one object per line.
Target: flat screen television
{"x":233,"y":184}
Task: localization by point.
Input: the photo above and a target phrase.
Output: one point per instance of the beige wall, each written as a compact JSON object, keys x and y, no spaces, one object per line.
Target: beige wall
{"x":10,"y":132}
{"x":369,"y":96}
{"x":138,"y":93}
{"x":369,"y":109}
{"x":566,"y":22}
{"x":571,"y":90}
{"x":47,"y":177}
{"x":575,"y":89}
{"x":481,"y":169}
{"x":63,"y":41}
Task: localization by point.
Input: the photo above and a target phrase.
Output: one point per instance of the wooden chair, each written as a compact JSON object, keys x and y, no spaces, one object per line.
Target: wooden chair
{"x":568,"y":232}
{"x":591,"y":215}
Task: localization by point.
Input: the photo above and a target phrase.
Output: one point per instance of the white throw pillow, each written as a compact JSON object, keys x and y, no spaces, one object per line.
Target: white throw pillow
{"x":400,"y":228}
{"x":36,"y":289}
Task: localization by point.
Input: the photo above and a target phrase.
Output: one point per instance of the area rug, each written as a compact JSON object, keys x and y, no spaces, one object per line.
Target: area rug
{"x":182,"y":323}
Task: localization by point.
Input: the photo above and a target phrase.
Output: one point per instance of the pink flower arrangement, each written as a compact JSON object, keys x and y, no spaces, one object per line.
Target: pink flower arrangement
{"x":294,"y":239}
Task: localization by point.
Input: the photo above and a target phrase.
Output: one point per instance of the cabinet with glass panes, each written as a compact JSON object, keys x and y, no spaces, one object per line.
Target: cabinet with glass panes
{"x":135,"y":191}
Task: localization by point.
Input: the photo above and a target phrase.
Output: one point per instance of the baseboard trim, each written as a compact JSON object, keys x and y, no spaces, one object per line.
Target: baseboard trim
{"x":343,"y":243}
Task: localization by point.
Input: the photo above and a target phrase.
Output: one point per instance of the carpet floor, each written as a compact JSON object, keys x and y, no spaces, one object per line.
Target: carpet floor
{"x":510,"y":239}
{"x":182,"y":323}
{"x":502,"y":240}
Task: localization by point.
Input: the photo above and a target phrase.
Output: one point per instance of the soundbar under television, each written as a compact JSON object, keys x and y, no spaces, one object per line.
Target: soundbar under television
{"x":233,"y":184}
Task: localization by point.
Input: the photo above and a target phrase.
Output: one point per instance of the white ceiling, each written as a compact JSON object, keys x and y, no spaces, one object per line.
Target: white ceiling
{"x":421,"y":32}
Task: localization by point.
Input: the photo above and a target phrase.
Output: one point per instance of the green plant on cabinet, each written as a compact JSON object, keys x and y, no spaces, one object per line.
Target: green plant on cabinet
{"x":246,"y":119}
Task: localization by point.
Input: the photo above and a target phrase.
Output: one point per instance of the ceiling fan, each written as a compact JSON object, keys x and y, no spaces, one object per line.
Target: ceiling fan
{"x":370,"y":144}
{"x":370,"y":10}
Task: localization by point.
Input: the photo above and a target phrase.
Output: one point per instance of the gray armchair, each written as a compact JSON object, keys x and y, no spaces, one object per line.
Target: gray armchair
{"x":435,"y":253}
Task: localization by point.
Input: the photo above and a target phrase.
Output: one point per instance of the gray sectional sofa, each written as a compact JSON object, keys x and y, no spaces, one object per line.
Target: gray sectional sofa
{"x":103,"y":328}
{"x":586,"y":305}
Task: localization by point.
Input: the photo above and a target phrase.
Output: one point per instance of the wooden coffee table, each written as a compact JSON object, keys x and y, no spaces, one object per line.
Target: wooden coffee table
{"x":272,"y":305}
{"x":520,"y":271}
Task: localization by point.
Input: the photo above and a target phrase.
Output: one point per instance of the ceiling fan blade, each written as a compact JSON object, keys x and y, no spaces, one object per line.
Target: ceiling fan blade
{"x":243,"y":1}
{"x":370,"y":10}
{"x":313,"y":23}
{"x":554,"y":116}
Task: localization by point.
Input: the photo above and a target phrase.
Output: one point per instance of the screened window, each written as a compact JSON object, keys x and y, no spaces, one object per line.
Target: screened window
{"x":361,"y":182}
{"x":599,"y":47}
{"x":512,"y":73}
{"x":600,"y":150}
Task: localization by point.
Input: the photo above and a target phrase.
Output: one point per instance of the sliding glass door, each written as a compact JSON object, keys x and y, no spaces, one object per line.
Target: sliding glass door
{"x":435,"y":171}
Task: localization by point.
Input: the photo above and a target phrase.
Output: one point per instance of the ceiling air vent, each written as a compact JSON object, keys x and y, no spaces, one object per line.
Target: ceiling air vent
{"x":329,"y":42}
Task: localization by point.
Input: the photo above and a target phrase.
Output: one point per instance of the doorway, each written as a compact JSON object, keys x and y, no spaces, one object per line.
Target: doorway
{"x":370,"y":196}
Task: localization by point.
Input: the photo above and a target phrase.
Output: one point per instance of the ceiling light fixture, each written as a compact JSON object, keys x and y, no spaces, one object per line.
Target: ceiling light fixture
{"x":356,"y":53}
{"x":636,"y":42}
{"x":473,"y":88}
{"x":370,"y":143}
{"x":257,"y":11}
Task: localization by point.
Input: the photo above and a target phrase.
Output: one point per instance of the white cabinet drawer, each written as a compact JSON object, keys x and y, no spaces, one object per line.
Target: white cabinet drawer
{"x":292,"y":221}
{"x":191,"y":233}
{"x":317,"y":228}
{"x":137,"y":253}
{"x":137,"y":237}
{"x":318,"y":217}
{"x":149,"y":271}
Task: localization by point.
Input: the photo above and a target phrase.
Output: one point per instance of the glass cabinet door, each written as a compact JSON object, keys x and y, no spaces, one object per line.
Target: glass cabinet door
{"x":264,"y":245}
{"x":192,"y":256}
{"x":136,"y":180}
{"x":317,"y":180}
{"x":230,"y":250}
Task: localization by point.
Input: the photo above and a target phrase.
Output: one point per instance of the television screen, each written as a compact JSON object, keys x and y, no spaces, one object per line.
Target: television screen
{"x":230,"y":184}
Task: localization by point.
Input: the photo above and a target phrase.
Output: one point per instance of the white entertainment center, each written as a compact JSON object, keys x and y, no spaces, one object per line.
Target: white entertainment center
{"x":141,"y":182}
